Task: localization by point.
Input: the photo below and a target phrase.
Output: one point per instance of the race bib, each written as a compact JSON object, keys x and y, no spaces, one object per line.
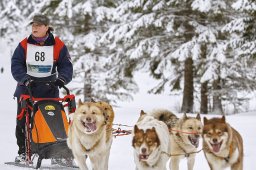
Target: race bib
{"x":39,"y":60}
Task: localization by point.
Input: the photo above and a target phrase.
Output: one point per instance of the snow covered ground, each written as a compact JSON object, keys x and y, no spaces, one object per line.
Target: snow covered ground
{"x":121,"y":156}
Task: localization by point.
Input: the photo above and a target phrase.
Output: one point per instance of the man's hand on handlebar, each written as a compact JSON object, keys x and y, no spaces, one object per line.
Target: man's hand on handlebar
{"x":29,"y":83}
{"x":59,"y":82}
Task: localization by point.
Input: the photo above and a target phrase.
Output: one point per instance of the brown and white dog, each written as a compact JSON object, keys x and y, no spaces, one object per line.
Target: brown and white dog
{"x":90,"y":134}
{"x":151,"y":143}
{"x":223,"y":145}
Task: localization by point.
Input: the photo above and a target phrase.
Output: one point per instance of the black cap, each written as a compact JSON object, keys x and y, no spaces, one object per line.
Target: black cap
{"x":40,"y":19}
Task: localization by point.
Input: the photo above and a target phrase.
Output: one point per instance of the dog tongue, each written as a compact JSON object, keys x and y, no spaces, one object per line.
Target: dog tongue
{"x":91,"y":126}
{"x":143,"y":157}
{"x":194,"y":141}
{"x":216,"y":147}
{"x":197,"y":144}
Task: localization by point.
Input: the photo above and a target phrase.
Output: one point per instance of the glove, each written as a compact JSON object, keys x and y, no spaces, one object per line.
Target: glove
{"x":29,"y":82}
{"x":59,"y":82}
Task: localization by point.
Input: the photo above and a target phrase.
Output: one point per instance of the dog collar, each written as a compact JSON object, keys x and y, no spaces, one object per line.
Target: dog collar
{"x":88,"y":150}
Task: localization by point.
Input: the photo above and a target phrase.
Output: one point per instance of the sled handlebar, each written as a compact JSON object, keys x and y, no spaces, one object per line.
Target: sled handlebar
{"x":69,"y":98}
{"x":51,"y":83}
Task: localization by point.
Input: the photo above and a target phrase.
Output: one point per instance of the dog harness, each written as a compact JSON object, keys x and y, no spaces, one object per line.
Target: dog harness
{"x":231,"y":149}
{"x":178,"y":143}
{"x":88,"y":150}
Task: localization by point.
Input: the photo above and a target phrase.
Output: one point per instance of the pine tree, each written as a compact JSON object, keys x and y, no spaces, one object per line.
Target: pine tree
{"x":145,"y":34}
{"x":240,"y":78}
{"x":164,"y":35}
{"x":211,"y":18}
{"x":97,"y":73}
{"x":10,"y":17}
{"x":15,"y":16}
{"x":167,"y":37}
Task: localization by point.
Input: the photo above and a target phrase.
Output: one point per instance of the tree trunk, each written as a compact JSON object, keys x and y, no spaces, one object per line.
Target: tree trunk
{"x":87,"y":86}
{"x":188,"y":97}
{"x":204,"y":86}
{"x":204,"y":98}
{"x":217,"y":105}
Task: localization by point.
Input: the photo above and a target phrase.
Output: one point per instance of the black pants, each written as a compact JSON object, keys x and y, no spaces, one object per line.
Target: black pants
{"x":20,"y":130}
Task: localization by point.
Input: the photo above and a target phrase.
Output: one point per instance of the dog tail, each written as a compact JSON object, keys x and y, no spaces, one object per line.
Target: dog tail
{"x":166,"y":116}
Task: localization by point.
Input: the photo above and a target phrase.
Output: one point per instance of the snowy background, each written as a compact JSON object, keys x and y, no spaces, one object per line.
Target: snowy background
{"x":136,"y":34}
{"x":121,"y":156}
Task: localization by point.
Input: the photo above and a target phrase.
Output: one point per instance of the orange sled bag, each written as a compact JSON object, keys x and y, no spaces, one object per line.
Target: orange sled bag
{"x":49,"y":126}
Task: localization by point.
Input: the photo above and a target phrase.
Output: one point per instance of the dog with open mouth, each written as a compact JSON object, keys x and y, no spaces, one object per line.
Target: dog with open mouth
{"x":223,"y":145}
{"x":151,"y":143}
{"x":185,"y":138}
{"x":90,"y":134}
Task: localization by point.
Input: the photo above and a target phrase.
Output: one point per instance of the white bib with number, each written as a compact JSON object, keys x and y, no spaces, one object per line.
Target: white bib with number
{"x":39,"y":60}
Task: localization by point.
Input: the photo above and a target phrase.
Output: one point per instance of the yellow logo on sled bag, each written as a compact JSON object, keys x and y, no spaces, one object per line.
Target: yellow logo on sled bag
{"x":49,"y":107}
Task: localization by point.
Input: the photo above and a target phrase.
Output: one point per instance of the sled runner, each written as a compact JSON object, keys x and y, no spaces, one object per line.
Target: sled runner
{"x":46,"y":167}
{"x":46,"y":126}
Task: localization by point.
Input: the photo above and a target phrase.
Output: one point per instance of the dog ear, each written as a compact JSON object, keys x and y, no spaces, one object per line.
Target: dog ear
{"x":205,"y":120}
{"x":223,"y":119}
{"x":198,"y":116}
{"x":136,"y":129}
{"x":185,"y":117}
{"x":80,"y":102}
{"x":142,"y":113}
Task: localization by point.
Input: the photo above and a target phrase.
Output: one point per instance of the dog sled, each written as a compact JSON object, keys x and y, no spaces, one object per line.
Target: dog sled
{"x":46,"y":127}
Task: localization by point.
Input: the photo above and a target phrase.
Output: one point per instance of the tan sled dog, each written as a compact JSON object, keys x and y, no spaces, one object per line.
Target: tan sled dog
{"x":185,"y":137}
{"x":151,"y":143}
{"x":90,"y":134}
{"x":223,"y":145}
